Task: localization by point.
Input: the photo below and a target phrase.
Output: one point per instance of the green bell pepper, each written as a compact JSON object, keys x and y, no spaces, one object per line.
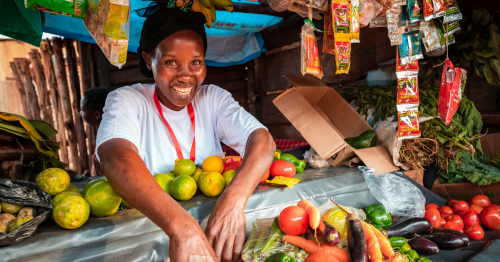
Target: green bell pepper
{"x":377,"y":216}
{"x":277,"y":155}
{"x":405,"y":248}
{"x":299,"y":164}
{"x":279,"y":257}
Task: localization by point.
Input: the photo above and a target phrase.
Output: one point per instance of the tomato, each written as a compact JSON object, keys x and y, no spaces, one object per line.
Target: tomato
{"x":462,"y":213}
{"x":480,"y":200}
{"x":431,"y":206}
{"x":494,"y":207}
{"x":460,"y":206}
{"x":433,"y":216}
{"x":265,"y":177}
{"x":451,"y":202}
{"x":474,"y":232}
{"x":443,"y":221}
{"x":448,"y":211}
{"x":452,"y":226}
{"x":293,"y":220}
{"x":455,"y":220}
{"x":282,"y":168}
{"x":471,"y":219}
{"x":490,"y":218}
{"x":476,"y":208}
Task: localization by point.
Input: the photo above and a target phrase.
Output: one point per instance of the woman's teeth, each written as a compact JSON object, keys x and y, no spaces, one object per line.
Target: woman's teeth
{"x":183,"y":90}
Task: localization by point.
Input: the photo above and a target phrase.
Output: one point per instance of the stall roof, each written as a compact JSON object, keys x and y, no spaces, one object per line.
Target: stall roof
{"x":233,"y":39}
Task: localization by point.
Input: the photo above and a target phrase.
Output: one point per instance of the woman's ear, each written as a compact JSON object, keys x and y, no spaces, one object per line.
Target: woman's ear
{"x":147,"y":59}
{"x":97,"y":115}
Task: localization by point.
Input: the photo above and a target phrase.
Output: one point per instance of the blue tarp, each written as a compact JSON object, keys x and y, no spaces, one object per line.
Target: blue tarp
{"x":233,"y":39}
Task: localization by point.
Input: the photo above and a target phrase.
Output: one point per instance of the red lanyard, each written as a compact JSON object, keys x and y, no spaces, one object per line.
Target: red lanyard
{"x":192,"y":155}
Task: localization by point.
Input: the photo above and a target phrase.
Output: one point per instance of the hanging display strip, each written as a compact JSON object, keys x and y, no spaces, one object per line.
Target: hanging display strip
{"x":310,"y":63}
{"x":407,"y":98}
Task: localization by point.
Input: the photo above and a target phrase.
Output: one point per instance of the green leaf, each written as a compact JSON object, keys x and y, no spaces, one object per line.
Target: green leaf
{"x":490,"y":75}
{"x":463,"y":46}
{"x":485,"y":18}
{"x":494,"y":41}
{"x":467,"y":56}
{"x":495,"y":65}
{"x":484,"y":54}
{"x":476,"y":16}
{"x":44,"y":128}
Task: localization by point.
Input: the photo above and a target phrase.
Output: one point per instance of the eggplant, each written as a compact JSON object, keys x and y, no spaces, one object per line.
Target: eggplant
{"x":464,"y":237}
{"x":356,"y":241}
{"x":408,"y":227}
{"x":327,"y":234}
{"x":445,"y":241}
{"x":423,"y":246}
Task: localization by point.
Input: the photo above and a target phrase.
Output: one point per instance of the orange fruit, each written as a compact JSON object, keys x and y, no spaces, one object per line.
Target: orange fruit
{"x":183,"y":188}
{"x":53,"y":180}
{"x":213,"y":164}
{"x":102,"y":199}
{"x":71,"y":212}
{"x":184,"y":167}
{"x":211,"y":183}
{"x":228,"y":176}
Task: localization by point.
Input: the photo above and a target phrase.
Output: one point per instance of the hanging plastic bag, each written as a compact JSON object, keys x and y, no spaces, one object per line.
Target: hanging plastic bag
{"x":342,"y":55}
{"x":368,"y":10}
{"x":310,"y":63}
{"x":314,"y":160}
{"x":72,"y":8}
{"x":355,"y":21}
{"x":108,"y":21}
{"x":27,"y":194}
{"x":398,"y":195}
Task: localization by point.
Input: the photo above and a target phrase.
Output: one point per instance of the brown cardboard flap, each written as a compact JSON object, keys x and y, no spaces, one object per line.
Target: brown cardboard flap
{"x":377,"y":157}
{"x":491,"y":144}
{"x":417,"y":175}
{"x":310,"y":87}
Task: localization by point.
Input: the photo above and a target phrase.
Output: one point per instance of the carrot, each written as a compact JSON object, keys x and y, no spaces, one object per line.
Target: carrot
{"x":385,"y":244}
{"x":313,"y":247}
{"x":313,"y":213}
{"x":373,"y":246}
{"x":395,"y":258}
{"x":321,"y":257}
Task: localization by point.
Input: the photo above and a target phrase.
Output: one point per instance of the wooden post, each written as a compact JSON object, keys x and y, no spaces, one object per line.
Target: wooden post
{"x":252,"y":109}
{"x":22,"y":65}
{"x":41,"y":83}
{"x":74,"y":80}
{"x":102,"y":68}
{"x":50,"y":74}
{"x":65,"y":103}
{"x":20,"y":86}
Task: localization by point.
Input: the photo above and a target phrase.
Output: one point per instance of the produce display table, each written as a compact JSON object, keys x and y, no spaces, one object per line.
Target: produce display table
{"x":130,"y":236}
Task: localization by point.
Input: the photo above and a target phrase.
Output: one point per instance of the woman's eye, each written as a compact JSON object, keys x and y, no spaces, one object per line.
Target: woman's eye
{"x":170,"y":63}
{"x":197,"y":62}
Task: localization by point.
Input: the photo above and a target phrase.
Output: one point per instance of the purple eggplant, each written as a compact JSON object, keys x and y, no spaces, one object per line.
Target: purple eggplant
{"x":408,"y":228}
{"x":327,"y":234}
{"x":423,"y":246}
{"x":464,"y":237}
{"x":445,"y":241}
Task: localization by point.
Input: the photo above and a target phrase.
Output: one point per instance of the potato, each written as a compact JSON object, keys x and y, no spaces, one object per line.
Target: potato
{"x":6,"y":218}
{"x":24,"y":212}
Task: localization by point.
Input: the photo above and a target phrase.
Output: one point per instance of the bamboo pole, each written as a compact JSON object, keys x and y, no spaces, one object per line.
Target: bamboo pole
{"x":48,"y":66}
{"x":65,"y":103}
{"x":75,"y":90}
{"x":20,"y":86}
{"x":41,"y":83}
{"x":33,"y":108}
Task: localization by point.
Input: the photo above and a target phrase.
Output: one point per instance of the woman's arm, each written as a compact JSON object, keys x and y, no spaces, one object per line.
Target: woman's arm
{"x":130,"y":178}
{"x":226,"y":226}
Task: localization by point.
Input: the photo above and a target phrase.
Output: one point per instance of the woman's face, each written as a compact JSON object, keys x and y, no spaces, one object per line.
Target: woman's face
{"x":178,"y":65}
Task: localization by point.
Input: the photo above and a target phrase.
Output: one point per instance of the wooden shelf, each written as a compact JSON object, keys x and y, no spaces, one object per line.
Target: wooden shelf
{"x":491,"y":117}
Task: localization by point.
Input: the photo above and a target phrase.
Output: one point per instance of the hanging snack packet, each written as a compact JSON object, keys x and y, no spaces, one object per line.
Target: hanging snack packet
{"x":415,"y":10}
{"x":450,"y":92}
{"x":328,"y":36}
{"x":355,"y":21}
{"x":407,"y":91}
{"x":341,"y":11}
{"x":410,"y":49}
{"x":394,"y":24}
{"x":408,"y":124}
{"x":379,"y":21}
{"x":73,"y":8}
{"x":447,"y":28}
{"x":310,"y":63}
{"x":405,"y":71}
{"x":368,"y":10}
{"x":430,"y":36}
{"x":428,"y":10}
{"x":439,"y":8}
{"x":343,"y":55}
{"x":452,"y":11}
{"x":406,"y":23}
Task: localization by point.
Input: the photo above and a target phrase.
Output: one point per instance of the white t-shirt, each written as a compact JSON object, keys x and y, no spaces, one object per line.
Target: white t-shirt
{"x":130,"y":113}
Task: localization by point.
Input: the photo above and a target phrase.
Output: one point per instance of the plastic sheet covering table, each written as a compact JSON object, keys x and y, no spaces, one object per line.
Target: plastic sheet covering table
{"x":130,"y":236}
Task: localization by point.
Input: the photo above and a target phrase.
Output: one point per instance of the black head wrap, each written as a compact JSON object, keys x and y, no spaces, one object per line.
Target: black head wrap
{"x":163,"y":21}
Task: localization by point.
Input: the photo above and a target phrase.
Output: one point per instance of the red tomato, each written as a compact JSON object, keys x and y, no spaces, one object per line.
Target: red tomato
{"x":433,"y":216}
{"x":455,"y":220}
{"x":460,"y":206}
{"x":451,"y":202}
{"x":462,"y":213}
{"x":282,"y":168}
{"x":443,"y":221}
{"x":480,"y":200}
{"x":476,"y":208}
{"x":490,"y":218}
{"x":471,"y":219}
{"x":474,"y":232}
{"x":265,"y":177}
{"x":293,"y":221}
{"x":448,"y":211}
{"x":494,"y":207}
{"x":452,"y":226}
{"x":431,"y":206}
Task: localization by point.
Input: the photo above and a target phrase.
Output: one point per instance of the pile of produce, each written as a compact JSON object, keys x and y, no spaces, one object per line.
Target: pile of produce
{"x":9,"y":222}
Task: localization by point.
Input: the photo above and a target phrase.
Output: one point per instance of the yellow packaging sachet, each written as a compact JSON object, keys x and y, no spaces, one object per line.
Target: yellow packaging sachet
{"x":283,"y":181}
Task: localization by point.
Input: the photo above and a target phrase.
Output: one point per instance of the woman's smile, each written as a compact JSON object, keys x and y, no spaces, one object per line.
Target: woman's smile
{"x":184,"y":91}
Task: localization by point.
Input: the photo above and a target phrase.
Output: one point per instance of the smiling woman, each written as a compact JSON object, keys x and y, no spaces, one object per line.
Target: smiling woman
{"x":145,"y":128}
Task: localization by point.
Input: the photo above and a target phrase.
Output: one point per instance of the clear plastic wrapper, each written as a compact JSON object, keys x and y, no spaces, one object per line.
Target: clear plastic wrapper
{"x":430,"y":36}
{"x":398,"y":195}
{"x":108,"y":21}
{"x":410,"y":48}
{"x":394,"y":27}
{"x":266,"y":240}
{"x":379,"y":21}
{"x":386,"y":4}
{"x":314,"y":160}
{"x":355,"y":26}
{"x":452,"y":11}
{"x":342,"y":55}
{"x":368,"y":10}
{"x":408,"y":123}
{"x":73,"y":8}
{"x":310,"y":63}
{"x":407,"y":92}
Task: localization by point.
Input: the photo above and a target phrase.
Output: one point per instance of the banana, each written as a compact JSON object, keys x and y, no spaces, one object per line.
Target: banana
{"x":212,"y":12}
{"x":196,"y":6}
{"x":205,"y":3}
{"x":226,"y":4}
{"x":206,"y":12}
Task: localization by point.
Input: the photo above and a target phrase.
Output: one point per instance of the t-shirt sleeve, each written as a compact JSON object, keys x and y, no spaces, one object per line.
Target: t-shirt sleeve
{"x":121,"y":117}
{"x":234,"y":124}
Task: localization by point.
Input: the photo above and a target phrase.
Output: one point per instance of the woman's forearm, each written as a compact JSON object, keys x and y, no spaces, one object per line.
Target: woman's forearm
{"x":130,"y":178}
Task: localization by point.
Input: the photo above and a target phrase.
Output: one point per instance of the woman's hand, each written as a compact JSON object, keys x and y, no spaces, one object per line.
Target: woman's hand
{"x":226,"y":228}
{"x":191,"y":245}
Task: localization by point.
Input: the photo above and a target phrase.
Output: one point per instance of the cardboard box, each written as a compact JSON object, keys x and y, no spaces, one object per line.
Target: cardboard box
{"x":324,"y":119}
{"x":417,"y":175}
{"x":464,"y":191}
